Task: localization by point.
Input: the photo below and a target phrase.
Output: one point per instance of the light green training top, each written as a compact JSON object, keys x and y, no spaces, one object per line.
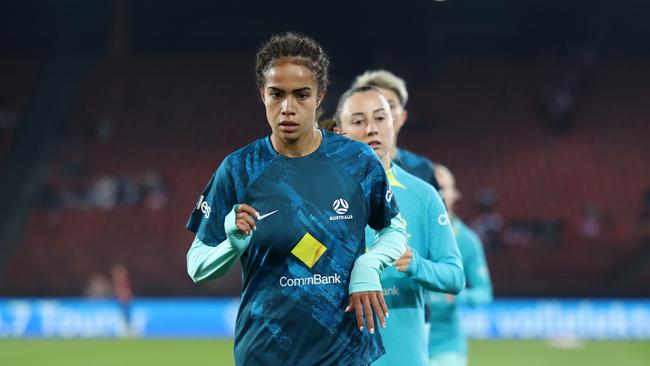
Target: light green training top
{"x":446,"y":334}
{"x":436,"y":265}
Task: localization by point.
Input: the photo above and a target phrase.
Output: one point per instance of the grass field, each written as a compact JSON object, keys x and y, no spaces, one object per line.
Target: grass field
{"x":219,"y":353}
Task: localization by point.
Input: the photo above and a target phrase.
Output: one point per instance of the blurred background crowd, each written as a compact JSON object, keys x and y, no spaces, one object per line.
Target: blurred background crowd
{"x":114,"y":114}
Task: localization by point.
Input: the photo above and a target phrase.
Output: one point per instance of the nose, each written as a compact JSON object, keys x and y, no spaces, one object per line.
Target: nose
{"x":287,"y":107}
{"x":371,"y":128}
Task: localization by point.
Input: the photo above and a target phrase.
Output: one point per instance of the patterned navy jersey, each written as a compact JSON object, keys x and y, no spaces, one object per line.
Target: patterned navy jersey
{"x":417,"y":165}
{"x":296,"y":269}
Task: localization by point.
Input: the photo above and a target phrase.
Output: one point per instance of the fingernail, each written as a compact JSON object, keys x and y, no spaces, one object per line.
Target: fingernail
{"x":383,"y":325}
{"x":347,"y":308}
{"x":386,"y":315}
{"x":360,"y":329}
{"x":255,"y":228}
{"x":372,"y":330}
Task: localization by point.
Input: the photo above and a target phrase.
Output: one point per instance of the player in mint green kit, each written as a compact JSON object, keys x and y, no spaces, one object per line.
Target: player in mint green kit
{"x":432,"y":261}
{"x":394,"y":89}
{"x":447,"y":342}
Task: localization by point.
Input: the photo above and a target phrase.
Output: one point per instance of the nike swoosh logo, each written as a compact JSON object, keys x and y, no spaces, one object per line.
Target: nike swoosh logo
{"x":261,"y":217}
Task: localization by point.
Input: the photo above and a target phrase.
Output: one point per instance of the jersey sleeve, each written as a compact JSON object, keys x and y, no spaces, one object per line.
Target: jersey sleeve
{"x":214,"y":204}
{"x":389,"y":246}
{"x":442,"y":268}
{"x":479,"y":290}
{"x":383,"y":207}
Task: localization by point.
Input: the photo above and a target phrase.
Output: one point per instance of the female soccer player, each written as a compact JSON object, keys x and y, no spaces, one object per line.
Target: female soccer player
{"x":432,"y":261}
{"x":293,"y":208}
{"x":394,"y":89}
{"x":447,"y":342}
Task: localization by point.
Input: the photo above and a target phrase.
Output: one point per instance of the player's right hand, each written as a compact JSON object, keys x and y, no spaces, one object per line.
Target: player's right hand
{"x":244,"y":218}
{"x":402,"y":264}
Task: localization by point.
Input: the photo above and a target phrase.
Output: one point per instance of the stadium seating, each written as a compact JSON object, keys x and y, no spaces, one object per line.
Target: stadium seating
{"x":493,"y":139}
{"x":181,"y":117}
{"x":17,"y":77}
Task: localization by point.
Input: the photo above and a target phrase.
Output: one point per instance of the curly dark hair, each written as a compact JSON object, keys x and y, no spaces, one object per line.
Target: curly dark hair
{"x":302,"y":49}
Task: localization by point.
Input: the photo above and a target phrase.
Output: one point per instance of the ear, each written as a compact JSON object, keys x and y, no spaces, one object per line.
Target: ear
{"x":320,"y":98}
{"x":261,"y":91}
{"x":337,"y":130}
{"x":406,"y":116}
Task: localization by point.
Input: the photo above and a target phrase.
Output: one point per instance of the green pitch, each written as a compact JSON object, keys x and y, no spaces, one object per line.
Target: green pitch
{"x":219,"y":352}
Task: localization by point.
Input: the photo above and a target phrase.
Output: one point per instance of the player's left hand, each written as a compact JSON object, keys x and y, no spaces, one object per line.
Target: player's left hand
{"x":403,"y":262}
{"x":363,"y":304}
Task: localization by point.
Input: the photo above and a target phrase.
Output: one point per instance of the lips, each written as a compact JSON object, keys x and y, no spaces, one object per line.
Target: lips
{"x":374,"y":144}
{"x":288,"y":126}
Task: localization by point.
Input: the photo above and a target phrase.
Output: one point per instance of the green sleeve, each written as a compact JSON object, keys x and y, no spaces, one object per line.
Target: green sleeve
{"x":442,"y":274}
{"x":479,"y":291}
{"x":389,"y":246}
{"x":205,"y":262}
{"x":442,"y":269}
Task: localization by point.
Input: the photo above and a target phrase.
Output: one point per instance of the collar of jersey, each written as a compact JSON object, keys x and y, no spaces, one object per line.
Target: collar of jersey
{"x":391,"y":174}
{"x":269,"y":144}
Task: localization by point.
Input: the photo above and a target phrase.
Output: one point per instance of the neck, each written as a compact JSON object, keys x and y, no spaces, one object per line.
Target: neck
{"x":393,"y":150}
{"x":385,"y":161}
{"x":304,"y":145}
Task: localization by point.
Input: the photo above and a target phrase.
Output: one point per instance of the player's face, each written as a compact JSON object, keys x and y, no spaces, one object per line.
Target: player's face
{"x":396,"y":109}
{"x":290,"y":95}
{"x":366,"y":117}
{"x":448,"y":191}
